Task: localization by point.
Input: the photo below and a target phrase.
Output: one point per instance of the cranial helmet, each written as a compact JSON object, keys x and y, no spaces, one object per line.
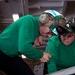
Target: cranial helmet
{"x":54,"y":13}
{"x":44,"y":16}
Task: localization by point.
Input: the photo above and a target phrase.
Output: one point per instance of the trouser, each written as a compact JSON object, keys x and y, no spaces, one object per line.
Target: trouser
{"x":14,"y":65}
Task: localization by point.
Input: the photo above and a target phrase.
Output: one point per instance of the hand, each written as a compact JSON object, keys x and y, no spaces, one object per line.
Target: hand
{"x":38,"y":41}
{"x":46,"y":57}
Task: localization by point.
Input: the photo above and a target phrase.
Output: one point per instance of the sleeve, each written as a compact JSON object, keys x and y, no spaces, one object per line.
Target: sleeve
{"x":52,"y":50}
{"x":26,"y":36}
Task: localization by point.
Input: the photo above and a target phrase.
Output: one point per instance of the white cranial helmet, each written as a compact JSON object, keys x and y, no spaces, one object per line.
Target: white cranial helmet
{"x":54,"y":13}
{"x":43,"y":16}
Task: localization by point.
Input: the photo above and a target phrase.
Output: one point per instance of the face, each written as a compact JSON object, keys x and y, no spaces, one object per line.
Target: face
{"x":62,"y":22}
{"x":44,"y":28}
{"x":45,"y":31}
{"x":49,"y":23}
{"x":68,"y":39}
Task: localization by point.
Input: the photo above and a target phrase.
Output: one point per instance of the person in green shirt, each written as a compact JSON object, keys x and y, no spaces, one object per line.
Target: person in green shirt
{"x":60,"y":19}
{"x":18,"y":38}
{"x":61,"y":49}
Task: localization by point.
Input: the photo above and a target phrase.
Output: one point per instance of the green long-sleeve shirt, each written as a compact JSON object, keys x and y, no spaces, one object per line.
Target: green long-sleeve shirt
{"x":20,"y":36}
{"x":62,"y":56}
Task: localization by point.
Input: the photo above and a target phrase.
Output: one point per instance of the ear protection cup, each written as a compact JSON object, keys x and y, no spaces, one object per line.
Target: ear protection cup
{"x":42,"y":18}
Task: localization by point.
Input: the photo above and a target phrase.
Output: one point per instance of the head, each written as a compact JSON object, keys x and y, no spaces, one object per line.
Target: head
{"x":45,"y":31}
{"x":68,"y":39}
{"x":47,"y":18}
{"x":62,"y":21}
{"x":67,"y":35}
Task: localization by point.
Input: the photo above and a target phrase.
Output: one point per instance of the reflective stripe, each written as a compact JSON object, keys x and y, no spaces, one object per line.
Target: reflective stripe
{"x":53,"y":12}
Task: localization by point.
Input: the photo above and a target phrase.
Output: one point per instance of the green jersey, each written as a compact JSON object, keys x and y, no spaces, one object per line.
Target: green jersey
{"x":62,"y":56}
{"x":20,"y":36}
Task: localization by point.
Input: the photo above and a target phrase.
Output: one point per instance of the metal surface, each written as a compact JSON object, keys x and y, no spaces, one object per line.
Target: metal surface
{"x":68,"y":71}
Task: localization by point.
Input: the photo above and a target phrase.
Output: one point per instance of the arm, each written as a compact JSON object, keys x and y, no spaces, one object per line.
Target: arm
{"x":27,"y":35}
{"x":26,"y":38}
{"x":52,"y":50}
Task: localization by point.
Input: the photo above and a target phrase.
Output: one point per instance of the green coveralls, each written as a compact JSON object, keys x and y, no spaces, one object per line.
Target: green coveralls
{"x":62,"y":56}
